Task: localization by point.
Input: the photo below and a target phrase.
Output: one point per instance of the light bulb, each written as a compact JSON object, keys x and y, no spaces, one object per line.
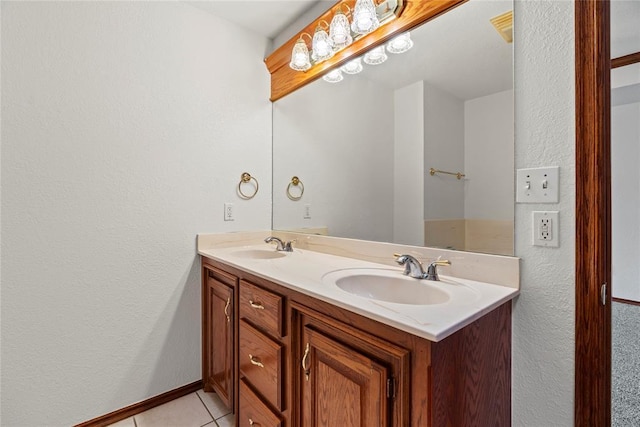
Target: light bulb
{"x":352,"y":67}
{"x":339,"y":31}
{"x":400,"y":44}
{"x":300,"y":56}
{"x":322,"y":47}
{"x":333,"y":76}
{"x":375,"y":56}
{"x":365,"y":19}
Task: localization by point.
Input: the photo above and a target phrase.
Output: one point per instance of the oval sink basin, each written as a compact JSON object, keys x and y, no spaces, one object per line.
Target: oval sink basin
{"x":386,"y":285}
{"x":258,"y":254}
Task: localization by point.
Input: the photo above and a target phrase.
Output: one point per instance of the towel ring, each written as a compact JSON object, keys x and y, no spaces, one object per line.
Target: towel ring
{"x":295,"y":181}
{"x":244,"y":179}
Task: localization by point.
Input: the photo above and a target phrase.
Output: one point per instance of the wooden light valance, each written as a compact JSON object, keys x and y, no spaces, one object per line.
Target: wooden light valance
{"x":284,"y":80}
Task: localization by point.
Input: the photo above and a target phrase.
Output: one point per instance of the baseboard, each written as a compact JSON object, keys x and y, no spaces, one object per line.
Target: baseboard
{"x":136,"y":408}
{"x":625,"y":301}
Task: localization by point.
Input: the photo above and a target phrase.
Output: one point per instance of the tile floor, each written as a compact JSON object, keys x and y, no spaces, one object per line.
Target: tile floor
{"x":193,"y":410}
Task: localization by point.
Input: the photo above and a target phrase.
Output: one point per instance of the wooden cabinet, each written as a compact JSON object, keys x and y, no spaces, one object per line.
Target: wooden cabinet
{"x":348,"y":380}
{"x":253,"y":412}
{"x":261,"y":363}
{"x":263,"y":356}
{"x":262,"y":308}
{"x":295,"y":361}
{"x":218,"y":333}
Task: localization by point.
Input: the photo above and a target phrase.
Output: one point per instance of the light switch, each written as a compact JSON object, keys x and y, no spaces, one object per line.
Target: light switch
{"x":538,"y":185}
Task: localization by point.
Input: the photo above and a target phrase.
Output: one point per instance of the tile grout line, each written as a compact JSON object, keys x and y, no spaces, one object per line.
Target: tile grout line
{"x":206,"y":409}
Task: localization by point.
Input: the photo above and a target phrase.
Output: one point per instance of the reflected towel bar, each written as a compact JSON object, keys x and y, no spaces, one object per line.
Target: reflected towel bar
{"x":458,"y":175}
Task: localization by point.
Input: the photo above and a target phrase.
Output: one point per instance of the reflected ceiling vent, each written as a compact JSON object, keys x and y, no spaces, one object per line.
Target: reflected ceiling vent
{"x":504,"y":25}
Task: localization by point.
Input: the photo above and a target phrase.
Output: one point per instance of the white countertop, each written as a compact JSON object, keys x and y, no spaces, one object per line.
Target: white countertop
{"x":310,"y":273}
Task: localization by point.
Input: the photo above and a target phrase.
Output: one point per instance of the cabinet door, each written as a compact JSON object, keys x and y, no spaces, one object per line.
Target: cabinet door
{"x":341,"y":386}
{"x":219,"y":327}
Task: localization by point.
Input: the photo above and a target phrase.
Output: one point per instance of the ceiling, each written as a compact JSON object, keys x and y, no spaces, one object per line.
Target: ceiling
{"x":270,"y":17}
{"x":459,"y":52}
{"x":463,"y":36}
{"x":265,"y":17}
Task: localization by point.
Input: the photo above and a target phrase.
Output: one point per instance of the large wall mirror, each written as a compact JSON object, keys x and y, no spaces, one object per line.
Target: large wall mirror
{"x":363,"y":148}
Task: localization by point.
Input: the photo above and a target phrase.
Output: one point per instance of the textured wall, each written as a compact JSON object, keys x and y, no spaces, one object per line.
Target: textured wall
{"x":543,"y":316}
{"x":125,"y":126}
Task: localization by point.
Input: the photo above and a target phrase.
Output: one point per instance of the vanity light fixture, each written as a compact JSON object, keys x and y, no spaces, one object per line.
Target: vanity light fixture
{"x":375,"y":56}
{"x":322,"y":47}
{"x":400,"y":44}
{"x":331,"y":38}
{"x":352,"y":67}
{"x":333,"y":76}
{"x":365,"y":19}
{"x":339,"y":31}
{"x":300,"y":55}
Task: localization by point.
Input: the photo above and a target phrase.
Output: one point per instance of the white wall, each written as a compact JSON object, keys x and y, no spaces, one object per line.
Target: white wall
{"x":544,"y":313}
{"x":444,"y":150}
{"x":343,"y":153}
{"x":125,"y":126}
{"x":408,"y":192}
{"x":625,"y":200}
{"x":488,"y":157}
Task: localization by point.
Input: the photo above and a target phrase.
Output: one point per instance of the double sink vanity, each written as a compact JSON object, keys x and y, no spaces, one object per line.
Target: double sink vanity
{"x":334,"y":334}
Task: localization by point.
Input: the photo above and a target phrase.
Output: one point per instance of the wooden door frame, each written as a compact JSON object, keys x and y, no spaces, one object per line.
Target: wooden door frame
{"x":593,"y":213}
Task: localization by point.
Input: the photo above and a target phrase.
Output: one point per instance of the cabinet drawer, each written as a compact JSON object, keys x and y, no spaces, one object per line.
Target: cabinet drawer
{"x":261,"y":363}
{"x":253,"y":412}
{"x":261,"y":307}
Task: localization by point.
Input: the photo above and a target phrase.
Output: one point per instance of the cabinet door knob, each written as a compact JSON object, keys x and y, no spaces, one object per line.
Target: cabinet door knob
{"x":256,"y":305}
{"x":226,"y":309}
{"x":251,"y":422}
{"x":305,"y":368}
{"x":255,"y":361}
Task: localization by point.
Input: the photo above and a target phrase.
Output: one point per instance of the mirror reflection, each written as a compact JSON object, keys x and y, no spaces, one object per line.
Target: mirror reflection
{"x":363,"y":147}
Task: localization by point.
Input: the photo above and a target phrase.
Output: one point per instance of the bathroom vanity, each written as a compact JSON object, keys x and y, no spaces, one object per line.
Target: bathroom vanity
{"x":284,"y":346}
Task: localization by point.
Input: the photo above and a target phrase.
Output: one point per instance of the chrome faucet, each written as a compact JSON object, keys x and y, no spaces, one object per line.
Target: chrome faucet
{"x":413,"y":267}
{"x":280,"y":245}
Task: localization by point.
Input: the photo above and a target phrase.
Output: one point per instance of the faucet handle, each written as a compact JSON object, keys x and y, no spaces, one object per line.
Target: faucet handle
{"x":432,"y":271}
{"x":288,"y":245}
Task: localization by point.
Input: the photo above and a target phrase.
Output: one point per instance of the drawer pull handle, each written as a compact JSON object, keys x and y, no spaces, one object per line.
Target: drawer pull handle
{"x":256,"y":305}
{"x":226,"y":309}
{"x":255,"y":361}
{"x":251,"y":422}
{"x":305,"y":368}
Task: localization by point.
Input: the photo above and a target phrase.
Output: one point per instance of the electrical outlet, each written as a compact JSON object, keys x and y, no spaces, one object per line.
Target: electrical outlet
{"x":545,"y":228}
{"x":228,"y":212}
{"x":307,"y":211}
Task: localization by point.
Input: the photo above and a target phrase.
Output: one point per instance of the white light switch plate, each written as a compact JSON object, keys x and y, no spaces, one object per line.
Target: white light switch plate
{"x":537,"y":185}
